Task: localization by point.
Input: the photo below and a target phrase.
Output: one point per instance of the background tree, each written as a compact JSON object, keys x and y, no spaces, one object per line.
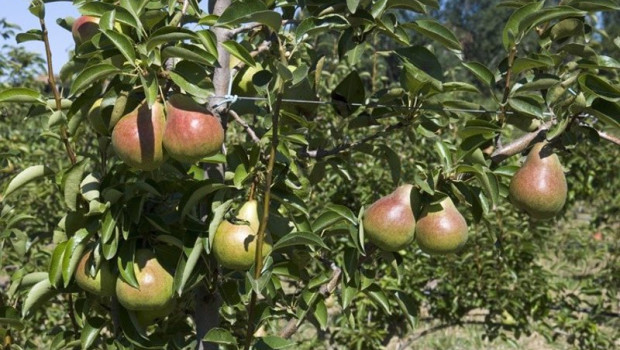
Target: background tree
{"x":338,"y":104}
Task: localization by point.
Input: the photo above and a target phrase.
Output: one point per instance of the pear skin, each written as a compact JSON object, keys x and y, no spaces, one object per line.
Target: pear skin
{"x":137,"y":137}
{"x":192,"y":133}
{"x":539,"y":186}
{"x":104,"y":281}
{"x":234,"y":245}
{"x":155,"y":284}
{"x":389,"y":222}
{"x":84,"y":28}
{"x":441,"y":229}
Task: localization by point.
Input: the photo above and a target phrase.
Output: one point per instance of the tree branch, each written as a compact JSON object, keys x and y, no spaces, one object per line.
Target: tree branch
{"x":245,"y":125}
{"x":260,"y":235}
{"x":325,"y":290}
{"x":321,"y":153}
{"x":520,"y":144}
{"x":608,"y":137}
{"x":52,"y":82}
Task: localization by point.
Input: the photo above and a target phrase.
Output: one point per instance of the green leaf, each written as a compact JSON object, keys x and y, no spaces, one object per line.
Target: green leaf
{"x":124,"y":44}
{"x":481,"y":72}
{"x":273,"y":342}
{"x":343,"y":211}
{"x":125,"y":263}
{"x":436,"y":31}
{"x":92,"y":74}
{"x":55,"y":268}
{"x":523,"y":64}
{"x":73,"y":252}
{"x":220,"y":336}
{"x":250,"y":11}
{"x":216,"y":218}
{"x":349,"y":91}
{"x":422,"y":59}
{"x":169,"y":35}
{"x":378,"y":296}
{"x":511,"y":34}
{"x":526,"y":105}
{"x":21,"y":95}
{"x":97,"y":9}
{"x":71,"y":184}
{"x":27,"y":175}
{"x":31,"y":35}
{"x":150,"y":87}
{"x":352,"y":5}
{"x":192,"y":260}
{"x":196,"y":193}
{"x":38,"y":295}
{"x":599,"y":87}
{"x":326,"y":220}
{"x":595,"y":5}
{"x":299,"y":238}
{"x":90,"y":331}
{"x":313,"y":25}
{"x":412,"y":5}
{"x":10,"y":316}
{"x":608,"y":112}
{"x":320,"y":313}
{"x":239,"y":51}
{"x":189,"y":52}
{"x":548,"y":14}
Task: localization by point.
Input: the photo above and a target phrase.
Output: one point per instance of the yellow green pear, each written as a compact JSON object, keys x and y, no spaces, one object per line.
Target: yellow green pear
{"x":234,"y":245}
{"x":103,"y":283}
{"x":155,"y":285}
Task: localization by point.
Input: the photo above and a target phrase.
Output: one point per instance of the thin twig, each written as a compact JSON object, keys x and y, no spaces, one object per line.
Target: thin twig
{"x":245,"y":125}
{"x":260,"y":235}
{"x":325,"y":290}
{"x":321,"y":153}
{"x":52,"y":82}
{"x":608,"y":137}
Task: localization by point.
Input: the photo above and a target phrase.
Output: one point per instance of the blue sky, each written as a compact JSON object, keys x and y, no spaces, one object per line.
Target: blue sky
{"x":16,"y":12}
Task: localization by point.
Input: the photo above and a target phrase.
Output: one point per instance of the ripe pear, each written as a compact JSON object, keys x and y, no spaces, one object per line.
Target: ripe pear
{"x":441,"y":228}
{"x":539,"y":186}
{"x":104,"y":281}
{"x":155,"y":290}
{"x":84,"y":28}
{"x":234,"y":245}
{"x":137,"y":137}
{"x":389,"y":222}
{"x":191,"y":133}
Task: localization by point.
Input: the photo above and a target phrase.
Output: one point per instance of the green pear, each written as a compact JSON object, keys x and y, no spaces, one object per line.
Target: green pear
{"x":191,"y":133}
{"x":234,"y":245}
{"x":155,"y":285}
{"x":441,"y":229}
{"x":103,"y":283}
{"x":148,"y":317}
{"x":539,"y":186}
{"x":389,"y":222}
{"x":137,"y":137}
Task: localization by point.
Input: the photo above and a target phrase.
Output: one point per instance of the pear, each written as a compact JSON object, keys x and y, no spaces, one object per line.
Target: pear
{"x":234,"y":245}
{"x":389,"y":222}
{"x":148,"y":317}
{"x":155,"y":284}
{"x":539,"y":186}
{"x":192,"y":133}
{"x":84,"y":28}
{"x":103,"y":283}
{"x":441,"y":229}
{"x":137,"y":137}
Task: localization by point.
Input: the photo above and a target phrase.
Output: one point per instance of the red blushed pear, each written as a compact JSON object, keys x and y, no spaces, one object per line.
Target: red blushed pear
{"x":441,"y":229}
{"x":137,"y":137}
{"x":192,"y":133}
{"x":389,"y":222}
{"x":539,"y":186}
{"x":84,"y":28}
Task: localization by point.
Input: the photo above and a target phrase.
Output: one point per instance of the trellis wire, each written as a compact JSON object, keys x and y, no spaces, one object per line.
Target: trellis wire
{"x":234,"y":98}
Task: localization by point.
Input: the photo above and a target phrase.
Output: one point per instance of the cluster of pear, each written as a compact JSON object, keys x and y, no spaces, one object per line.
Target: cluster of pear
{"x":389,"y":223}
{"x":234,"y":244}
{"x":538,"y":187}
{"x":185,"y":130}
{"x":152,"y":300}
